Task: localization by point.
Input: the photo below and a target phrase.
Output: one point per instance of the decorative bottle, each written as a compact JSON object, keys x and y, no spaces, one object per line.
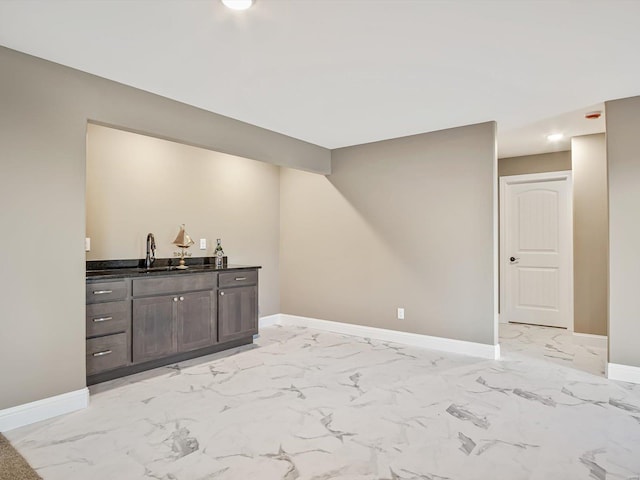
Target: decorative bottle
{"x":219,"y":253}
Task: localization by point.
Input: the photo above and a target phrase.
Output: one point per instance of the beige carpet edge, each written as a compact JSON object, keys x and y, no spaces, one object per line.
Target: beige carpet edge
{"x":13,"y":466}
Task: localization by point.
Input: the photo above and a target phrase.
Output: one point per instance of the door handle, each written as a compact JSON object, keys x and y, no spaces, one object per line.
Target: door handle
{"x":514,"y":259}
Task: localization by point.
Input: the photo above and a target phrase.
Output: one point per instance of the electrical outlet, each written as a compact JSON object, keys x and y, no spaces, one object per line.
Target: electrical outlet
{"x":400,"y":313}
{"x":87,"y":244}
{"x":203,"y":244}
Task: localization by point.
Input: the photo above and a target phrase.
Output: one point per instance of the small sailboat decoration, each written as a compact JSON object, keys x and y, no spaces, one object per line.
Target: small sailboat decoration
{"x":184,"y":241}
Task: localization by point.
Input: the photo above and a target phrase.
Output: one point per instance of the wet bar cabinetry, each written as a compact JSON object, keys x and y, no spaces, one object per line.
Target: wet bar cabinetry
{"x":237,"y":305}
{"x":108,"y":326}
{"x":173,"y":314}
{"x":143,"y":321}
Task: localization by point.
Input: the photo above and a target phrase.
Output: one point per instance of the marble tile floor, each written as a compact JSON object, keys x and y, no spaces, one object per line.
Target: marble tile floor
{"x":556,"y":345}
{"x":305,"y":404}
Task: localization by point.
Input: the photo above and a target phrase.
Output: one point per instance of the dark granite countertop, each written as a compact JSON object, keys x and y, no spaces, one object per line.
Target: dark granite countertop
{"x":112,"y":269}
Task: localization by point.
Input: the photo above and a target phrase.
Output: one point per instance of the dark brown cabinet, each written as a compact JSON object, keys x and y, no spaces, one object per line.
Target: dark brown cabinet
{"x":237,"y":312}
{"x":154,"y":328}
{"x":106,"y":353}
{"x":196,"y":320}
{"x":237,"y":305}
{"x":141,"y":322}
{"x":108,"y":326}
{"x":106,"y":291}
{"x":167,"y":324}
{"x":108,"y":318}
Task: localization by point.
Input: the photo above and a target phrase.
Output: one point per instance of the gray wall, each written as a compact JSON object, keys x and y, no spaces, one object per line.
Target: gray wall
{"x":544,"y":162}
{"x":138,"y":184}
{"x":590,"y":234}
{"x":623,"y":156}
{"x":43,"y":122}
{"x":406,"y":223}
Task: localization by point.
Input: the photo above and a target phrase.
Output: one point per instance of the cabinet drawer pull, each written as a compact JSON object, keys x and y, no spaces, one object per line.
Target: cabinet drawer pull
{"x":182,"y":299}
{"x":102,"y":319}
{"x":100,"y":354}
{"x":175,"y":299}
{"x":239,"y":279}
{"x":221,"y":293}
{"x":102,"y":292}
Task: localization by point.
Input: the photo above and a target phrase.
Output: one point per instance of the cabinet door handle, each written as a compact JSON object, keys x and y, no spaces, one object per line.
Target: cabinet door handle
{"x":221,"y":293}
{"x":182,"y":299}
{"x":175,"y":299}
{"x":100,"y":354}
{"x":239,"y":279}
{"x":102,"y":292}
{"x":102,"y":319}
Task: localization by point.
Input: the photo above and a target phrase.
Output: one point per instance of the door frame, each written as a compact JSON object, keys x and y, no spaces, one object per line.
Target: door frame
{"x":566,"y":175}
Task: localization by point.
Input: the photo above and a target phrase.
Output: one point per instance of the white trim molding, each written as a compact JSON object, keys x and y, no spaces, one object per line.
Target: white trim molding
{"x":269,"y":320}
{"x":623,"y":373}
{"x":491,"y":352}
{"x":589,"y":339}
{"x":50,"y":407}
{"x":590,"y":335}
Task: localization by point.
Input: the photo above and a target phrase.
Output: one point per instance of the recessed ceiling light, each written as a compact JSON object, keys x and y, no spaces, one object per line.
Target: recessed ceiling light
{"x":554,"y":137}
{"x":238,"y":4}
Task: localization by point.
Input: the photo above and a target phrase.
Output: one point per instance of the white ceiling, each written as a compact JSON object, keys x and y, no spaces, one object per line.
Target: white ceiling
{"x":345,"y":72}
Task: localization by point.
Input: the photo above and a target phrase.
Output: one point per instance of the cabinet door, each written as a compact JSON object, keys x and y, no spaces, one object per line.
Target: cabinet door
{"x":154,"y":328}
{"x":237,"y":312}
{"x":196,"y":320}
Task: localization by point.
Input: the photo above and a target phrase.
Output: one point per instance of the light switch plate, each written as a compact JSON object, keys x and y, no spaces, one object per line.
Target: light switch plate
{"x":400,"y":313}
{"x":87,"y":244}
{"x":203,"y":244}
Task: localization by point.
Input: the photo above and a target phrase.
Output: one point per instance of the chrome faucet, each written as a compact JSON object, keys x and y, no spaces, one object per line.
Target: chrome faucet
{"x":151,"y":251}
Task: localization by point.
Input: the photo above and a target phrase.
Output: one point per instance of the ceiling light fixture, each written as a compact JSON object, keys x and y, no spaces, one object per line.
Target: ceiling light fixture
{"x":238,"y":4}
{"x":554,"y":137}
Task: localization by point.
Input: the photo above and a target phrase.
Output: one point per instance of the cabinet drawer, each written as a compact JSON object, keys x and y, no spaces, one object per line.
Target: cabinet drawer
{"x":109,"y":317}
{"x":106,"y":291}
{"x":174,"y":284}
{"x":105,"y":353}
{"x":236,"y":279}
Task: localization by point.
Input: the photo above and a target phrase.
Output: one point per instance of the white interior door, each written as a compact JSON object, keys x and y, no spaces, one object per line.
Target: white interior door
{"x":536,"y":249}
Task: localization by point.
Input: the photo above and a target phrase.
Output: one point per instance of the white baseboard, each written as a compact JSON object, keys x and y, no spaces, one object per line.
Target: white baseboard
{"x":623,"y":373}
{"x":590,"y":335}
{"x":591,"y":339}
{"x":50,"y":407}
{"x":269,"y":320}
{"x":473,"y":349}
